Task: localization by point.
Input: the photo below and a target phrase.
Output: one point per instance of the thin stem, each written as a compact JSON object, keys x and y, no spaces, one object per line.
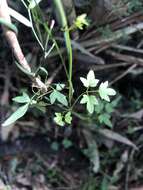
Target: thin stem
{"x":37,"y":21}
{"x":75,"y":102}
{"x":29,"y":13}
{"x":57,"y":47}
{"x":49,"y":34}
{"x":42,"y":95}
{"x":24,"y":4}
{"x":49,"y":51}
{"x":63,"y":19}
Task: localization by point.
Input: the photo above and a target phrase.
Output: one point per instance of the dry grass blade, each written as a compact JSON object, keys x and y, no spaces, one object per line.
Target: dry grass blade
{"x":116,"y":35}
{"x":126,"y":58}
{"x":127,"y":48}
{"x":116,"y":137}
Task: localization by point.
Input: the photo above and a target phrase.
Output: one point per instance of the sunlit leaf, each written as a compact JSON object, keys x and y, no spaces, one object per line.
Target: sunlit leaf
{"x":81,"y":21}
{"x":20,"y":112}
{"x":22,"y":99}
{"x":60,"y":86}
{"x":90,"y":81}
{"x":105,"y":92}
{"x":90,"y":102}
{"x":61,"y":98}
{"x":59,"y":119}
{"x":68,"y":118}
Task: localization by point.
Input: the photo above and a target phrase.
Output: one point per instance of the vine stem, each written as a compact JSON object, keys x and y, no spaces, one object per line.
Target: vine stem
{"x":64,"y":24}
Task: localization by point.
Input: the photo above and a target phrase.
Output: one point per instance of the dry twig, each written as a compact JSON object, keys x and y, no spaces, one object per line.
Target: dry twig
{"x":126,"y":58}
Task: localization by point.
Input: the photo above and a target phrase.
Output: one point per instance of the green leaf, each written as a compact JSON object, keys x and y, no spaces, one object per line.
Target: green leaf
{"x":56,"y":95}
{"x":109,"y":108}
{"x":81,"y":21}
{"x":67,"y":143}
{"x":105,"y":118}
{"x":116,"y":102}
{"x":90,"y":102}
{"x":59,"y":119}
{"x":84,"y":99}
{"x":90,"y":81}
{"x":42,"y":103}
{"x":42,"y":109}
{"x":68,"y":118}
{"x":62,"y":99}
{"x":105,"y":92}
{"x":34,"y":3}
{"x":99,"y":108}
{"x":53,"y":97}
{"x":41,"y":106}
{"x":20,"y":112}
{"x":22,"y":99}
{"x":60,"y":86}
